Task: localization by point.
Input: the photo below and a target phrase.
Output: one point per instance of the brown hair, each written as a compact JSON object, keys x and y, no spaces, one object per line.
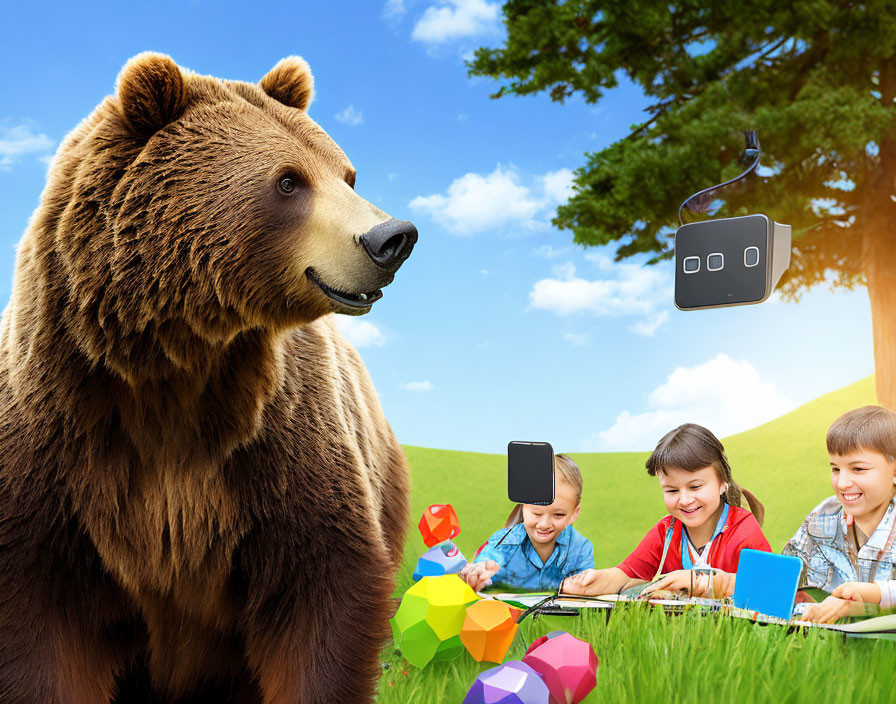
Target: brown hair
{"x":691,"y":447}
{"x":569,"y":472}
{"x":869,"y":428}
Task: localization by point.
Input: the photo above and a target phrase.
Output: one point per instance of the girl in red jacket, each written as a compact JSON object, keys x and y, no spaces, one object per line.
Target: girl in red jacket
{"x":706,"y":527}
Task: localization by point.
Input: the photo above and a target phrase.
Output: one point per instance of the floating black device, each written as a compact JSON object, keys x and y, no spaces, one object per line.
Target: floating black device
{"x":530,"y":473}
{"x":729,"y":261}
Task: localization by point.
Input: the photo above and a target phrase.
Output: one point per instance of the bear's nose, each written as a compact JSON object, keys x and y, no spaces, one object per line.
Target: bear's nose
{"x":390,"y":243}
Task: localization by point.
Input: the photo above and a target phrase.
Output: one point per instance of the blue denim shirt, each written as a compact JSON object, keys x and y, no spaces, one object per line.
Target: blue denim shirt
{"x":521,"y":567}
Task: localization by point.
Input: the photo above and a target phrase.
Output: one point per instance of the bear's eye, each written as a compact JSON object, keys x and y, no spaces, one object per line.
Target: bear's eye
{"x":287,"y":184}
{"x":350,"y":179}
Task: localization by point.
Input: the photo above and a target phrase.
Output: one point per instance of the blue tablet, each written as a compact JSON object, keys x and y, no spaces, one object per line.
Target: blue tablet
{"x":767,"y":582}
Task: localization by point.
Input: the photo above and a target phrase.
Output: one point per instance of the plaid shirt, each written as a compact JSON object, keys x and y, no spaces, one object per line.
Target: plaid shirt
{"x":829,"y":556}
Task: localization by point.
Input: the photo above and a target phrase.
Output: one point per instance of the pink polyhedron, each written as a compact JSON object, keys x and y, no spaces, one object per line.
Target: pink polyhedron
{"x":438,"y":523}
{"x":567,"y":665}
{"x":542,"y":639}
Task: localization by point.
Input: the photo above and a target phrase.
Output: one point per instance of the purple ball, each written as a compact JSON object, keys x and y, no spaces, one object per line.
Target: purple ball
{"x":513,"y":682}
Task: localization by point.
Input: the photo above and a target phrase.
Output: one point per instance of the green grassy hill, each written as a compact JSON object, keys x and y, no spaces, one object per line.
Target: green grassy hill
{"x":643,"y":653}
{"x":784,"y":463}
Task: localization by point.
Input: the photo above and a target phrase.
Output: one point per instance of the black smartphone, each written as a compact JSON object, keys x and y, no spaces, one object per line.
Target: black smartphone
{"x":530,"y":473}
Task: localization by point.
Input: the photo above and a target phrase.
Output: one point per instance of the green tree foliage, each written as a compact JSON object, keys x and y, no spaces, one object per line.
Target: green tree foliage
{"x":816,"y":78}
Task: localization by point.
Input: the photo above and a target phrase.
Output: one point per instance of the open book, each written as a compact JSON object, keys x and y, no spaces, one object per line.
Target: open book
{"x":877,"y":626}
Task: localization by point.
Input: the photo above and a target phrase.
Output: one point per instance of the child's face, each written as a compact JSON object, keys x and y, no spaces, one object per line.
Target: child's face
{"x":691,"y":497}
{"x":862,"y":480}
{"x":544,"y":523}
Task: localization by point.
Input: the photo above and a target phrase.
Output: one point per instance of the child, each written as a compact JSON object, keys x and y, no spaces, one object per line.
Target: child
{"x":706,"y":527}
{"x":538,"y":546}
{"x":846,"y":543}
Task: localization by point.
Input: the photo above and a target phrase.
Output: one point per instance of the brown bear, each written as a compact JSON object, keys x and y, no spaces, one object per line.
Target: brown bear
{"x":200,"y":498}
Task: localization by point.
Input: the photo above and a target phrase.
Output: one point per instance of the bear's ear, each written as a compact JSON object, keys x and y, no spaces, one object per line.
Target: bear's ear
{"x":290,"y":82}
{"x":151,"y":92}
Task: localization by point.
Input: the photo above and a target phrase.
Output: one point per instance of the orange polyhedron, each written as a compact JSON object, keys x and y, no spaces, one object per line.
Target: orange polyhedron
{"x":488,"y":630}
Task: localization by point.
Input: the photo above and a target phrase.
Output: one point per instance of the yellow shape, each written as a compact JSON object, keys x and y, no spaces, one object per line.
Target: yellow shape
{"x":430,"y":615}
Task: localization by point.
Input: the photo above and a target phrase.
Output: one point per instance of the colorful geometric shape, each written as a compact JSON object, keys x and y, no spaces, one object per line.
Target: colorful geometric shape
{"x":427,"y":624}
{"x":444,"y":558}
{"x":488,"y":630}
{"x":511,"y":683}
{"x":542,"y":639}
{"x":567,"y":665}
{"x":438,"y":524}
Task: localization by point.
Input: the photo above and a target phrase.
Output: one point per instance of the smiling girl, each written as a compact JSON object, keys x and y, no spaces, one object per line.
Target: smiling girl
{"x":538,"y":546}
{"x":848,"y":542}
{"x":705,"y":528}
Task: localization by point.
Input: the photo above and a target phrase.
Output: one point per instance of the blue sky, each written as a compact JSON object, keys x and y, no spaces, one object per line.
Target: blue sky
{"x":498,"y":328}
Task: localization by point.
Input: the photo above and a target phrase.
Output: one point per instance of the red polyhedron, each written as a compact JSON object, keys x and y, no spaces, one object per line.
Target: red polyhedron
{"x":438,"y":523}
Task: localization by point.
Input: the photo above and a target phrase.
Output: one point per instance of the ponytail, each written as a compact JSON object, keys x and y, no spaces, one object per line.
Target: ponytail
{"x":756,"y":507}
{"x":515,"y":517}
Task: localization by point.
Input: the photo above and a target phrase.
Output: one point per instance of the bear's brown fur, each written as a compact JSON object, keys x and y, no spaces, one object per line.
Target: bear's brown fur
{"x":200,"y":499}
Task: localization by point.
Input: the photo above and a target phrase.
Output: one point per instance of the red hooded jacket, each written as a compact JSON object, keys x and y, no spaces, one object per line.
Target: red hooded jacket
{"x":741,"y":531}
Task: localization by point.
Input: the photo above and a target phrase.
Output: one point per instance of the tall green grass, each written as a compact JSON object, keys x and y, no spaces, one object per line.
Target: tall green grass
{"x":644,"y":655}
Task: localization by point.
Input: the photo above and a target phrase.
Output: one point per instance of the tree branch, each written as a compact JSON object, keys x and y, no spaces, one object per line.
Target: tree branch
{"x":661,"y":110}
{"x":773,"y":48}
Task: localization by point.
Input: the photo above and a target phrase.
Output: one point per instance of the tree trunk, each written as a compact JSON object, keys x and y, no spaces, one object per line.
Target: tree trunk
{"x":879,"y":249}
{"x":880,"y":272}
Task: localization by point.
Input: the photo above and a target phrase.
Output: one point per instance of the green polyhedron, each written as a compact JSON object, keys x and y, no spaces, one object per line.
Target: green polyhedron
{"x":427,"y":624}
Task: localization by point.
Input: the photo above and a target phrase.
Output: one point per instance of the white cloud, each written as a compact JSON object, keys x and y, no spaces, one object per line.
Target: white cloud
{"x":648,"y":327}
{"x":722,"y":394}
{"x":548,"y":252}
{"x":474,"y":203}
{"x":565,"y":271}
{"x":601,"y":260}
{"x":393,"y":9}
{"x":417,"y":386}
{"x":361,"y":333}
{"x":20,"y":140}
{"x":456,"y":19}
{"x":637,"y":291}
{"x":558,"y":185}
{"x":350,"y":116}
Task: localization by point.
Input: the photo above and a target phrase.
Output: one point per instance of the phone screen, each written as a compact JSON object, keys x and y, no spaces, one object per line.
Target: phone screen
{"x":530,"y":473}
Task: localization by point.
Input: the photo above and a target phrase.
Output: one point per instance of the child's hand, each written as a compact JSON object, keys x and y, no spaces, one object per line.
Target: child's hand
{"x":479,"y":574}
{"x":680,"y":581}
{"x":867,"y":592}
{"x":577,"y":583}
{"x":677,"y":581}
{"x":829,"y":610}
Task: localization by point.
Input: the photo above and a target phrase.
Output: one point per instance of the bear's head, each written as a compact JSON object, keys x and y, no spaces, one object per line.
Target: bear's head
{"x":189,"y":206}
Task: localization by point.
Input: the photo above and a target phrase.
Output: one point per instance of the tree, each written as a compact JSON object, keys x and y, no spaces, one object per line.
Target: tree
{"x":816,"y":78}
